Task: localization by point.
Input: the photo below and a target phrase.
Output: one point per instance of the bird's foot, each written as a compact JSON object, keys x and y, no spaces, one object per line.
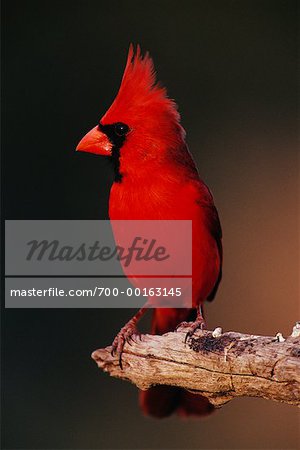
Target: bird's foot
{"x":183,"y":325}
{"x":127,"y":334}
{"x":199,"y":324}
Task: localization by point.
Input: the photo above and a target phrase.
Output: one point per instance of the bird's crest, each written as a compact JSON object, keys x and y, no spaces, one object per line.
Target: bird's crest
{"x":140,"y":97}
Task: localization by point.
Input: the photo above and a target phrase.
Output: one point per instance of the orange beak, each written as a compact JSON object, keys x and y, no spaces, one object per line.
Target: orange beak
{"x":95,"y":142}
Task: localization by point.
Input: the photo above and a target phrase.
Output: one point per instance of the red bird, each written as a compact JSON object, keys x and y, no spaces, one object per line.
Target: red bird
{"x":156,"y":179}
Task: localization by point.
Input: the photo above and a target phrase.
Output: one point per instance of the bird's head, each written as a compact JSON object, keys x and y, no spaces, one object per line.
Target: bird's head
{"x":142,"y":124}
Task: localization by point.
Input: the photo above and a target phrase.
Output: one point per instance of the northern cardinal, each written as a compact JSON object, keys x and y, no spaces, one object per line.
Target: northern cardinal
{"x":156,"y":178}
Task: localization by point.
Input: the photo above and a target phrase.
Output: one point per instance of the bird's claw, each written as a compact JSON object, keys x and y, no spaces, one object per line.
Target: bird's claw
{"x":183,"y":325}
{"x":127,"y":334}
{"x":199,"y":324}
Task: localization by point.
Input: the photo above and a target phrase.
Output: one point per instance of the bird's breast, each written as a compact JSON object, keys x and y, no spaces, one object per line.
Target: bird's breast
{"x":128,"y":201}
{"x":153,"y":201}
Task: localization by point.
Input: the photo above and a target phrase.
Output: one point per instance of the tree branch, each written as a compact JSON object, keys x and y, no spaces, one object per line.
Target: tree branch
{"x":215,"y":365}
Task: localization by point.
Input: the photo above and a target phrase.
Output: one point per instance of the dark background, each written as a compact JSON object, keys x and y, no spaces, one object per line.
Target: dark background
{"x":232,"y":68}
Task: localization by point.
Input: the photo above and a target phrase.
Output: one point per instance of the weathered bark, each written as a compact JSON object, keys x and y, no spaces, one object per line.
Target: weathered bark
{"x":217,"y":366}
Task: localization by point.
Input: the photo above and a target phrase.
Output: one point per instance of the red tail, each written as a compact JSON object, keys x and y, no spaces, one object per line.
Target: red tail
{"x":162,"y":401}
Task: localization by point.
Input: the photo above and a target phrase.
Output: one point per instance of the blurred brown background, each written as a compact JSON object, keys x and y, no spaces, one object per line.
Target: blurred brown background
{"x":232,"y":68}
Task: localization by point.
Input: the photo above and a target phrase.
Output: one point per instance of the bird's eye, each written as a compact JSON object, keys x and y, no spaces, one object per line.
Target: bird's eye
{"x":121,"y":129}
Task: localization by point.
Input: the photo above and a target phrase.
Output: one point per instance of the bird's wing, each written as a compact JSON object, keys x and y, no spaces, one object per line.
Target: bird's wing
{"x":205,"y":200}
